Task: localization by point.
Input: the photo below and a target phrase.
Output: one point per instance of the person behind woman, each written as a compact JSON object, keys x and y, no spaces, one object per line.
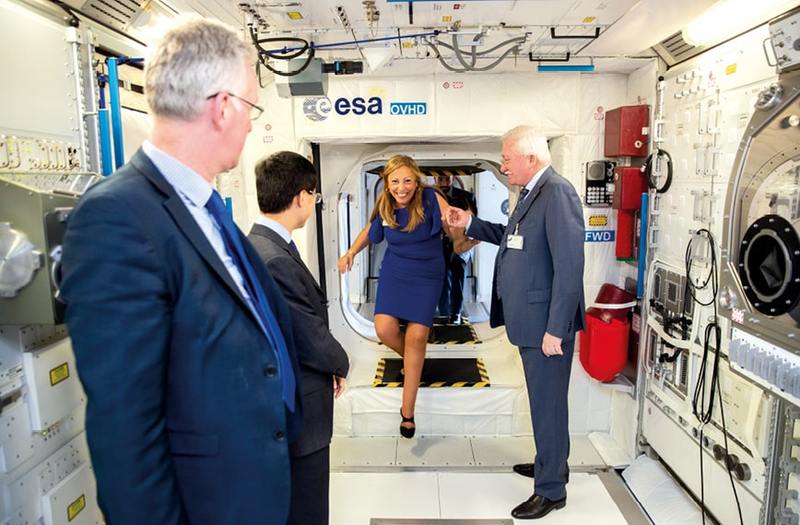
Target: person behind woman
{"x":408,"y":215}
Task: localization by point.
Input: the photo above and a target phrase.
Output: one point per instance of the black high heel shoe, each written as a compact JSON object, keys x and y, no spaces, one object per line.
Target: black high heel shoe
{"x":407,"y":432}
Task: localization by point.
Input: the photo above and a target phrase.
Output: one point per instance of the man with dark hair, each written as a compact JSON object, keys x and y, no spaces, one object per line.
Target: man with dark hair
{"x":457,"y":251}
{"x":285,"y":183}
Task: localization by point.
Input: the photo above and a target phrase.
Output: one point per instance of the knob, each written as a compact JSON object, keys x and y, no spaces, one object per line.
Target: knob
{"x":731,"y":461}
{"x":718,"y":452}
{"x":742,"y":472}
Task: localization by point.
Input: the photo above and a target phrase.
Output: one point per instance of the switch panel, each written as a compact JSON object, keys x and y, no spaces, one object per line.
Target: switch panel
{"x":784,"y":33}
{"x":25,"y":154}
{"x":773,"y":368}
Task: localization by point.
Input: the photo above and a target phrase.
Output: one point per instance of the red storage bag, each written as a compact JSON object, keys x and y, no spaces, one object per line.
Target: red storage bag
{"x":604,"y":342}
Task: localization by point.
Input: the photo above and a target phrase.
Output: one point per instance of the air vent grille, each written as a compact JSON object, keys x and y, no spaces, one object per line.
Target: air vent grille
{"x":677,"y":46}
{"x":117,"y":13}
{"x":675,"y":49}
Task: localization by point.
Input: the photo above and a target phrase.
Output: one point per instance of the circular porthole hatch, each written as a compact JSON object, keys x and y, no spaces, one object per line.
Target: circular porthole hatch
{"x":769,"y":266}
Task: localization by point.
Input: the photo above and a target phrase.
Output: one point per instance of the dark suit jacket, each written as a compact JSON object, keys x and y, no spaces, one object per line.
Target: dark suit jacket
{"x":540,"y":288}
{"x":320,"y":355}
{"x":461,"y":199}
{"x":464,"y":200}
{"x":184,"y":416}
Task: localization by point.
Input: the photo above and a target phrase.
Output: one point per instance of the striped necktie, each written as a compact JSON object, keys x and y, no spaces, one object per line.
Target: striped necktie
{"x":522,"y":194}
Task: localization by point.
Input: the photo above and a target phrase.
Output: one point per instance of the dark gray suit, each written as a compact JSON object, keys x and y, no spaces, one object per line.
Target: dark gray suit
{"x":539,"y":289}
{"x":320,"y":357}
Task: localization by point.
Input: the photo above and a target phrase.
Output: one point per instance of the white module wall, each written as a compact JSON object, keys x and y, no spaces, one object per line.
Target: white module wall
{"x":708,"y":103}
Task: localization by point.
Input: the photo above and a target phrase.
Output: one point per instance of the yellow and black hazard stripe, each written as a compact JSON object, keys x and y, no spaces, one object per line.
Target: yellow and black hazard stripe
{"x":378,"y":382}
{"x":482,"y":370}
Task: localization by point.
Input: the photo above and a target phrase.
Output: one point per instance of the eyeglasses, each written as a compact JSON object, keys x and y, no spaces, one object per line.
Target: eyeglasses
{"x":255,"y":111}
{"x":317,"y":196}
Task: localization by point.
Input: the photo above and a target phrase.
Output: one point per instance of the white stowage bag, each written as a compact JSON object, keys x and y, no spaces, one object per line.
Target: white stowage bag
{"x":659,"y":494}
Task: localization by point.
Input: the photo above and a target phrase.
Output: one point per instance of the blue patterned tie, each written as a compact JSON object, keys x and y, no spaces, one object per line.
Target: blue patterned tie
{"x":522,"y":194}
{"x":234,"y":247}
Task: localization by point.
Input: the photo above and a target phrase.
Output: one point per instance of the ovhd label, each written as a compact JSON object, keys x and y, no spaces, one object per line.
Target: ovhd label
{"x":599,"y":236}
{"x":408,"y":108}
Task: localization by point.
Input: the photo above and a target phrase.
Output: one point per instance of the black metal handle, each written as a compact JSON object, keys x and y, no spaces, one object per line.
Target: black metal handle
{"x":554,"y":36}
{"x":546,"y":59}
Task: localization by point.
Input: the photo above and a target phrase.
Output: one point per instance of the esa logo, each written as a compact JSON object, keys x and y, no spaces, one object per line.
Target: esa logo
{"x":318,"y":108}
{"x":358,"y":106}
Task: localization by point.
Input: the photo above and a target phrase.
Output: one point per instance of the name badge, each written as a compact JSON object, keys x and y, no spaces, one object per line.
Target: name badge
{"x":515,"y":242}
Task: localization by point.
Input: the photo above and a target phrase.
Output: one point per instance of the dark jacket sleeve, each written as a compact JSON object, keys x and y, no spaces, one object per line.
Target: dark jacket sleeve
{"x":118,"y":314}
{"x":565,"y":237}
{"x":486,"y":231}
{"x":316,"y":347}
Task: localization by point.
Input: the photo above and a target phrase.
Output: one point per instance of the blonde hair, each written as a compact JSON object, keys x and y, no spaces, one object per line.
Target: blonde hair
{"x":385,"y":205}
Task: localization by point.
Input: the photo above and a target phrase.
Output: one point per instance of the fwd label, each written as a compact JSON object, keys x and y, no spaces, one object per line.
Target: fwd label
{"x":599,"y":236}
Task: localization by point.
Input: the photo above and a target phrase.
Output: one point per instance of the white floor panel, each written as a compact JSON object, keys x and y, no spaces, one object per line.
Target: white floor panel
{"x":363,"y":452}
{"x":486,"y":496}
{"x":502,"y":451}
{"x":435,"y":452}
{"x":507,"y":451}
{"x":357,"y":497}
{"x":450,"y":451}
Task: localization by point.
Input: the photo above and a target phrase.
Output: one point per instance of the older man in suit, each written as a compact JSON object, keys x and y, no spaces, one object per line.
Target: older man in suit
{"x":285,"y":183}
{"x":182,"y":339}
{"x":538,"y":294}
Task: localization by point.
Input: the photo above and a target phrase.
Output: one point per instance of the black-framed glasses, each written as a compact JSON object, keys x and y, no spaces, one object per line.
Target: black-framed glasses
{"x":317,"y":196}
{"x":255,"y":110}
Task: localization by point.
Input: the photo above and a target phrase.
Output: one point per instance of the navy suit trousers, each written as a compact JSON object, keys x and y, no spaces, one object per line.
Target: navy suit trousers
{"x":310,"y":487}
{"x":547,"y":380}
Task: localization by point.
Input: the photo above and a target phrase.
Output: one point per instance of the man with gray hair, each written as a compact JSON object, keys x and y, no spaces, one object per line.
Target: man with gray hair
{"x":538,"y":294}
{"x":183,"y":341}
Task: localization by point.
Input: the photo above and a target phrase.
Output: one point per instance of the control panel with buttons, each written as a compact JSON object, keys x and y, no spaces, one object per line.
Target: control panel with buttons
{"x":599,"y":182}
{"x":771,"y":367}
{"x":24,"y":154}
{"x":784,"y":34}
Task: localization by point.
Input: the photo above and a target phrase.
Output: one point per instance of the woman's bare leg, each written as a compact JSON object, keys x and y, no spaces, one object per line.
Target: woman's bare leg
{"x":388,"y":330}
{"x":416,"y":341}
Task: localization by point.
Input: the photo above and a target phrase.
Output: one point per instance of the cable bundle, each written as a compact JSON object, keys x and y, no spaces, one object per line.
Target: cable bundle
{"x":700,"y":408}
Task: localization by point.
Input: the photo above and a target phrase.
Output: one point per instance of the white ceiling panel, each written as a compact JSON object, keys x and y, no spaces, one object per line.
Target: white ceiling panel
{"x":549,"y":30}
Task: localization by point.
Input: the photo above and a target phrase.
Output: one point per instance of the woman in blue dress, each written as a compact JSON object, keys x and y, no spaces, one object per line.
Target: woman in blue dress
{"x":408,"y":215}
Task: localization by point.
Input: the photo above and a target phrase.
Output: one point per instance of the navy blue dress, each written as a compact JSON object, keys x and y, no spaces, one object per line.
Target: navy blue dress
{"x":412,"y":271}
